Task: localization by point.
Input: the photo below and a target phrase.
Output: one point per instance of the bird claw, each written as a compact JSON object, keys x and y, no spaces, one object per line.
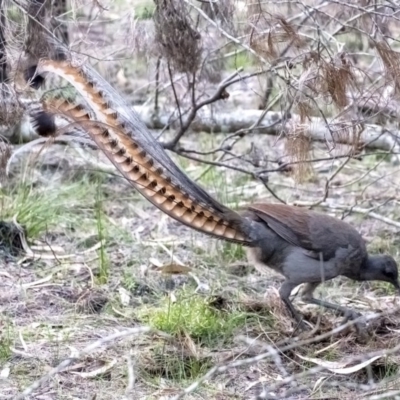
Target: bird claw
{"x":301,"y":325}
{"x":350,"y":315}
{"x":361,"y":325}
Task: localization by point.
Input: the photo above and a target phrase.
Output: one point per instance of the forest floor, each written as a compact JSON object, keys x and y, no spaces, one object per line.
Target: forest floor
{"x":102,"y":260}
{"x":106,"y":260}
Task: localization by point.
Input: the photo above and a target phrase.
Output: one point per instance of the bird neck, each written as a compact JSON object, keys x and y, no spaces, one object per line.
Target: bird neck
{"x":368,"y":269}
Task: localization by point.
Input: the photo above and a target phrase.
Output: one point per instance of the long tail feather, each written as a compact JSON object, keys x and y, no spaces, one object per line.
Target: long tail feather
{"x":131,"y":158}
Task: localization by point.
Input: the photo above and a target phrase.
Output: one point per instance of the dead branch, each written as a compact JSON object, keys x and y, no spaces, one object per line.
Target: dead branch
{"x":373,"y":136}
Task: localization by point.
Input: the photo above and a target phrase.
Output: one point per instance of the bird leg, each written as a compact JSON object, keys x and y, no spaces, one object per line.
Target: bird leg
{"x":284,"y":292}
{"x":349,"y":314}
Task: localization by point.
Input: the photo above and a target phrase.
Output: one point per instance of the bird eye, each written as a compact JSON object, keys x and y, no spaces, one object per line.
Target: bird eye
{"x":390,"y":272}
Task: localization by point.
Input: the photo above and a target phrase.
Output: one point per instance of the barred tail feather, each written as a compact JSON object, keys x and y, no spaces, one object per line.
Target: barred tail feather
{"x":142,"y":171}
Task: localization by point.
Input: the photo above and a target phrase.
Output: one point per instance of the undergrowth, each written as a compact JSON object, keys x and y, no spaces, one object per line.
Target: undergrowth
{"x":189,"y":313}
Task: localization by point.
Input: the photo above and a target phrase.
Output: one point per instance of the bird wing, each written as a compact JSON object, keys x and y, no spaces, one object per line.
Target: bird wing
{"x":315,"y":232}
{"x":290,"y":223}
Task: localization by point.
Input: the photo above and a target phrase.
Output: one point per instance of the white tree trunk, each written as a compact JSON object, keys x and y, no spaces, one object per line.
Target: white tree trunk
{"x":373,"y":136}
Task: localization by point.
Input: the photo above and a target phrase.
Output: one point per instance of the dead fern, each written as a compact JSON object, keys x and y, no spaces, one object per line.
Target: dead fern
{"x":267,"y":32}
{"x":391,"y":62}
{"x":177,"y":37}
{"x":337,"y":78}
{"x":297,"y":147}
{"x":305,"y":110}
{"x":349,"y":132}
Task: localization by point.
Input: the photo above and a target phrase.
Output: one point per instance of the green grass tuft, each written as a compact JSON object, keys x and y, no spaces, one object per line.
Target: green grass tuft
{"x":104,"y":268}
{"x":175,"y":366}
{"x":192,"y":314}
{"x":6,"y":341}
{"x":37,"y":210}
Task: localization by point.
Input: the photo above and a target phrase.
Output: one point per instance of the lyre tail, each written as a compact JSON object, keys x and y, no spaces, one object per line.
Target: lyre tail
{"x":133,"y":161}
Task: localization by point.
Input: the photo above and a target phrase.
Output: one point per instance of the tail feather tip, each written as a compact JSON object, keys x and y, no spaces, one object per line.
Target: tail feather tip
{"x":35,"y":80}
{"x":43,"y":123}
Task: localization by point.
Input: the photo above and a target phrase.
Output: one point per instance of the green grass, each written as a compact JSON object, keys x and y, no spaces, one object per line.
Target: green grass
{"x":104,"y":269}
{"x":129,"y":280}
{"x":192,"y":314}
{"x":14,"y":14}
{"x":66,"y":92}
{"x":36,"y":208}
{"x":240,"y":60}
{"x":175,"y":365}
{"x":62,"y":207}
{"x":231,"y":252}
{"x":144,"y":11}
{"x":6,"y":340}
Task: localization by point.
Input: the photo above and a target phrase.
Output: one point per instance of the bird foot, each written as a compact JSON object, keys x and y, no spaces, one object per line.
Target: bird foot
{"x":302,"y":326}
{"x":361,"y":325}
{"x":350,"y":315}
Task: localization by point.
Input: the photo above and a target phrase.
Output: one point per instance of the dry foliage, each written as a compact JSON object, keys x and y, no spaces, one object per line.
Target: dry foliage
{"x":268,"y":32}
{"x":391,"y":61}
{"x":297,"y":145}
{"x":177,"y":36}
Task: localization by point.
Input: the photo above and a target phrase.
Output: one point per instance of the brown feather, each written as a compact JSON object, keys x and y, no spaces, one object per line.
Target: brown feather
{"x":291,"y":223}
{"x":139,"y":168}
{"x":308,"y":229}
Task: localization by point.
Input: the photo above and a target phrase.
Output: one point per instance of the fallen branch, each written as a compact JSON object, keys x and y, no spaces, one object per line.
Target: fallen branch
{"x":372,"y":137}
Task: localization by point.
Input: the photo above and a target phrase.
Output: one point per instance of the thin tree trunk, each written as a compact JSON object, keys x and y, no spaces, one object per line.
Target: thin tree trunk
{"x":3,"y":54}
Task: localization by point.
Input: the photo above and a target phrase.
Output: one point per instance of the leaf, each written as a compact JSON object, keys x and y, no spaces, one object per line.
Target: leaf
{"x":124,"y":296}
{"x":96,"y":372}
{"x":339,"y":367}
{"x":174,"y":269}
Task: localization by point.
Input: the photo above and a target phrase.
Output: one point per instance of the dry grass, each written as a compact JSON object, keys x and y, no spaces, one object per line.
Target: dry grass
{"x":102,"y":254}
{"x":52,"y":305}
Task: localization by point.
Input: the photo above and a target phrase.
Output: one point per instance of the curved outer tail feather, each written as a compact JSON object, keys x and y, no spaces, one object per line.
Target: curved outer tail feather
{"x":158,"y":181}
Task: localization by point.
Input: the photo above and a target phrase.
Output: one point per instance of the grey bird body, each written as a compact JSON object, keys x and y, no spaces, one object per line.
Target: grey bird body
{"x":310,"y":247}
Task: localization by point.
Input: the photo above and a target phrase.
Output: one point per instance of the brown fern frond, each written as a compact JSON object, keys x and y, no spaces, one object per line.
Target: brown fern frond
{"x":178,"y":39}
{"x":297,"y":147}
{"x":348,"y":132}
{"x":305,"y":110}
{"x":391,"y":62}
{"x":290,"y":32}
{"x":338,"y":78}
{"x":267,"y":32}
